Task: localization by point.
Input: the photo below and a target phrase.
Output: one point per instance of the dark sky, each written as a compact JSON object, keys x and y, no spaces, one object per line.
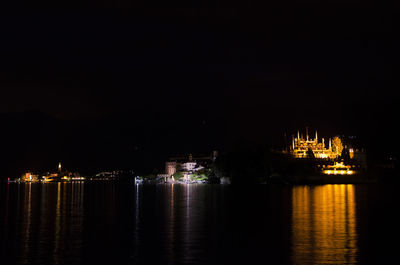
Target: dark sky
{"x":143,"y":82}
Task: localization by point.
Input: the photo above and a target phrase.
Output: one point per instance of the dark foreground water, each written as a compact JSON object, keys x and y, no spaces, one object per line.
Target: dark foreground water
{"x":111,"y":223}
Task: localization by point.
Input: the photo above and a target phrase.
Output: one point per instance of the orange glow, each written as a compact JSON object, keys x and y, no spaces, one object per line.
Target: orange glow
{"x":351,"y":153}
{"x":300,"y":146}
{"x":324,"y":225}
{"x":339,"y":168}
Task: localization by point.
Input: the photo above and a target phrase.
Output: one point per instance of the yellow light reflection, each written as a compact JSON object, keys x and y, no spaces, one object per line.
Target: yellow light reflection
{"x":324,"y":225}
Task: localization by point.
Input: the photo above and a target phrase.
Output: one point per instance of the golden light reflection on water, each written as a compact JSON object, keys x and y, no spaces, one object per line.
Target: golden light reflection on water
{"x":26,"y":236}
{"x":324,"y":225}
{"x":43,"y":222}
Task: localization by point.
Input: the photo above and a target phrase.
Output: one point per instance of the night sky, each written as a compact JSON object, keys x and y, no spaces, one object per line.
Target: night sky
{"x":118,"y":84}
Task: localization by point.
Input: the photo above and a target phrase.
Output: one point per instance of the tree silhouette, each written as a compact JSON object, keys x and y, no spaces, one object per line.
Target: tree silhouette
{"x":310,"y":154}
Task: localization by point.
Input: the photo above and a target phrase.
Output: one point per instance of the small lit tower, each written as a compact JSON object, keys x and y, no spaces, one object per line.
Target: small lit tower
{"x":307,"y":134}
{"x":293,"y":146}
{"x":59,"y":167}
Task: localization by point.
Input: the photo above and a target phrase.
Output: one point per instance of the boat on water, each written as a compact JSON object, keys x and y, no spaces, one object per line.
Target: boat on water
{"x":339,"y":168}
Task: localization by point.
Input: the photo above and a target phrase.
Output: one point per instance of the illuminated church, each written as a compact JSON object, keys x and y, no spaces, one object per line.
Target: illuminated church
{"x":300,"y":146}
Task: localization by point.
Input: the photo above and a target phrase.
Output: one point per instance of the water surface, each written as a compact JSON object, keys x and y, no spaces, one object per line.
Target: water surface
{"x":112,"y":223}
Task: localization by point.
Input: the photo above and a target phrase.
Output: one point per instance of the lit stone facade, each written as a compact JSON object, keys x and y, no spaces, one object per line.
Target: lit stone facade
{"x":29,"y":177}
{"x":188,"y":164}
{"x":170,"y":168}
{"x":300,"y":146}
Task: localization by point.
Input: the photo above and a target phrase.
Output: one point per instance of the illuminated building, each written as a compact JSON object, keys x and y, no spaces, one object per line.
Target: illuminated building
{"x":300,"y":147}
{"x":29,"y":177}
{"x":170,"y":168}
{"x":51,"y":177}
{"x":187,"y":164}
{"x":62,"y":175}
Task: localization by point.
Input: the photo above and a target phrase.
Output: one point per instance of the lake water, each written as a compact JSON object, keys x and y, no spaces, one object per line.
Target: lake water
{"x":115,"y":223}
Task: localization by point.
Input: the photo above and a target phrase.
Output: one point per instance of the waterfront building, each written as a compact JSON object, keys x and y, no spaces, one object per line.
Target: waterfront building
{"x":170,"y":167}
{"x":29,"y":177}
{"x":301,"y":147}
{"x":50,"y":177}
{"x":187,"y":164}
{"x":61,"y":175}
